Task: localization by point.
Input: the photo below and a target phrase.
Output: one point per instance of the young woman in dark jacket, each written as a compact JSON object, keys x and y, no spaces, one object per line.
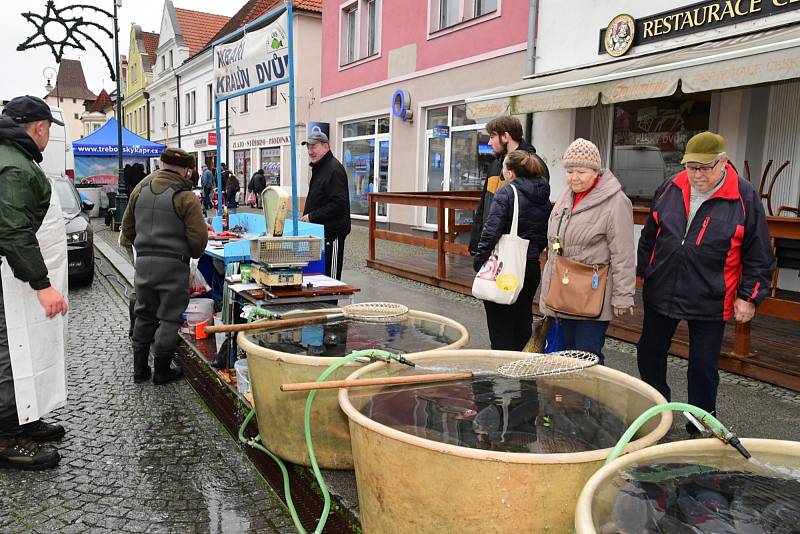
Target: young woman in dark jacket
{"x":510,"y":325}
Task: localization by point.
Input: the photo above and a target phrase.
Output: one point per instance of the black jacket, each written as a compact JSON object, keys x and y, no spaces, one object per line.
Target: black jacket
{"x":534,"y":211}
{"x":494,"y":181}
{"x":328,"y":200}
{"x":725,"y":254}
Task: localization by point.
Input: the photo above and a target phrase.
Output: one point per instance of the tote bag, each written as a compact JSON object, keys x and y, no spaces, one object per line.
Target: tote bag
{"x":500,"y":279}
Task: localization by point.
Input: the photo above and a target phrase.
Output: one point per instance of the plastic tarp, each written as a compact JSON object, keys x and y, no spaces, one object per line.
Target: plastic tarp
{"x":744,"y":60}
{"x":103,"y":142}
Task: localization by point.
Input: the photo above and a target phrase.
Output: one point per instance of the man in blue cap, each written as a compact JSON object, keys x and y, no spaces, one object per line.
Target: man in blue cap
{"x":705,"y":256}
{"x":33,"y":253}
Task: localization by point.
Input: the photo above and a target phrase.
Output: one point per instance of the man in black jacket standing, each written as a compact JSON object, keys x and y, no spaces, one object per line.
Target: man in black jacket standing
{"x":505,"y":135}
{"x":328,"y":201}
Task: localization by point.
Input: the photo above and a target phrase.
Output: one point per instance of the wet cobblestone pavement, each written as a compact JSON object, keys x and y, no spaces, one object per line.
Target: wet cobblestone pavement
{"x":136,"y":458}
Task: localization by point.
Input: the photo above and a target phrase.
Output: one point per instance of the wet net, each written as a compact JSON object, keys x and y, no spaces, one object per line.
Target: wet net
{"x":375,"y":312}
{"x":555,"y":363}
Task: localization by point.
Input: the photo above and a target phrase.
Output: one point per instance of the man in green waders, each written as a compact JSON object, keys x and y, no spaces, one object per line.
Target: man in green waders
{"x":164,"y":224}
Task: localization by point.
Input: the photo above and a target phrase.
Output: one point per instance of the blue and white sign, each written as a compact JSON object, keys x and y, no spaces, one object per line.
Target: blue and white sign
{"x":318,"y":127}
{"x":258,"y":59}
{"x":440,"y":131}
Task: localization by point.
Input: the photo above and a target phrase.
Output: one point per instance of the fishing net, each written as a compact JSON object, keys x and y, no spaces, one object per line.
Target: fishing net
{"x":375,"y":312}
{"x":555,"y":363}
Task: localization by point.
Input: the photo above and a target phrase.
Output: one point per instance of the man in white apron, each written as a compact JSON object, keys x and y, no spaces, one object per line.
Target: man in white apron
{"x":33,"y":252}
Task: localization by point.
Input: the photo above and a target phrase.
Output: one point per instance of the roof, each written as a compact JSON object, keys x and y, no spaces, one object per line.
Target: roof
{"x":103,"y":142}
{"x":254,"y":9}
{"x":70,"y":81}
{"x":198,"y":28}
{"x":102,"y":103}
{"x":150,"y":45}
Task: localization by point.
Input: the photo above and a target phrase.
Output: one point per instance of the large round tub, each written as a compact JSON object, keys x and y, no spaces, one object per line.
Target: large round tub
{"x":409,"y":483}
{"x":280,"y":415}
{"x":702,"y":483}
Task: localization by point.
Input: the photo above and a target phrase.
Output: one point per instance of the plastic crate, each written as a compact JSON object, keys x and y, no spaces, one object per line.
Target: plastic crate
{"x":285,"y":250}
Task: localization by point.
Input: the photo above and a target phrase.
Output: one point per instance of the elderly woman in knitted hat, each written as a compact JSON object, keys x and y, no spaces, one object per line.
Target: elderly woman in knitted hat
{"x":591,"y":223}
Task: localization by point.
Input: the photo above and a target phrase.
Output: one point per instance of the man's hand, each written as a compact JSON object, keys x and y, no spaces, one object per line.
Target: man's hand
{"x":743,"y":311}
{"x":52,"y":302}
{"x":304,"y":218}
{"x":619,"y":312}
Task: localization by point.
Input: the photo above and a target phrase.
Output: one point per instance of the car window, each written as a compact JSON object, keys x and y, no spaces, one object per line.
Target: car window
{"x":66,"y":195}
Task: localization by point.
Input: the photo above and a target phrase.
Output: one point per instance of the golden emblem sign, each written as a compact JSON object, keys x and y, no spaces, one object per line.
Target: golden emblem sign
{"x":619,"y":35}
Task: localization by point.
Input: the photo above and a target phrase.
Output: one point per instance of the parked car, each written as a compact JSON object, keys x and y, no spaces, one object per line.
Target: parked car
{"x":640,"y":169}
{"x":80,"y":237}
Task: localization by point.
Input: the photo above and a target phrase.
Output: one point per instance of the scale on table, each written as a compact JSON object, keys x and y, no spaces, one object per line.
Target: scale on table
{"x":278,"y":260}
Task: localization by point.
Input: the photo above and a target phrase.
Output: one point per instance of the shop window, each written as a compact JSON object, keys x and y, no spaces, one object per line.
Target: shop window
{"x":271,"y":165}
{"x":365,"y":155}
{"x":360,"y":28}
{"x":448,"y":13}
{"x":241,"y":168}
{"x":649,"y":139}
{"x":459,"y":161}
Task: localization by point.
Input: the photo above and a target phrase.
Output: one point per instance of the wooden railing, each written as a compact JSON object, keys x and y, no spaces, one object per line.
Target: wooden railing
{"x":446,"y":203}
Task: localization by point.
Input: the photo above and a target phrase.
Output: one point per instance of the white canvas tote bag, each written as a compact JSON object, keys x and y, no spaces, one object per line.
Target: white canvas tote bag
{"x":501,"y":277}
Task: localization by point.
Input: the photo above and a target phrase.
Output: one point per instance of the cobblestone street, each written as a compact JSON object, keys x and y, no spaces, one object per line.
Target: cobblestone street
{"x":136,"y":458}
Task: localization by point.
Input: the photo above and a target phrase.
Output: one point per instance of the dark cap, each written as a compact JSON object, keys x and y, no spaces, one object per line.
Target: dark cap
{"x":23,"y":109}
{"x":178,"y":157}
{"x":316,"y":138}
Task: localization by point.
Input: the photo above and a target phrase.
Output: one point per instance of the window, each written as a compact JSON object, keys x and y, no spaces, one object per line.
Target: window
{"x":649,"y":138}
{"x":272,"y":97}
{"x":448,"y":13}
{"x":365,"y":145}
{"x":175,"y":110}
{"x":245,"y":103}
{"x":77,"y":116}
{"x":271,"y":164}
{"x":164,"y":113}
{"x":171,"y":64}
{"x":459,"y":161}
{"x":152,"y":118}
{"x":210,"y":102}
{"x":163,"y":63}
{"x":360,"y":23}
{"x":191,"y":110}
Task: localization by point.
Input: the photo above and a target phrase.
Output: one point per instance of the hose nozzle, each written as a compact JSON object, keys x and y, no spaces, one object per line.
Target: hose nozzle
{"x":734,"y":442}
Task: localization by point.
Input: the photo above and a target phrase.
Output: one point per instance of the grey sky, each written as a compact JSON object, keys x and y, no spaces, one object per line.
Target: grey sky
{"x":23,"y":70}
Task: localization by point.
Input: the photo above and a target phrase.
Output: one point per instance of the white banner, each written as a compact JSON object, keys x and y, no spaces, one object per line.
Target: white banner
{"x":258,"y":58}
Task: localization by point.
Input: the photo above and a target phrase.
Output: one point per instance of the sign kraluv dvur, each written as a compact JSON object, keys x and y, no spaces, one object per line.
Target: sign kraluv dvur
{"x":259,"y":58}
{"x":685,"y":20}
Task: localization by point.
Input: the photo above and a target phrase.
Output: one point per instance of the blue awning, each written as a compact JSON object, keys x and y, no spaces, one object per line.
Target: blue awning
{"x":103,"y":142}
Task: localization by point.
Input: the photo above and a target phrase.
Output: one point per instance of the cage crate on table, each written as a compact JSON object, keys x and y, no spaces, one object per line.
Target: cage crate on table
{"x":285,"y":250}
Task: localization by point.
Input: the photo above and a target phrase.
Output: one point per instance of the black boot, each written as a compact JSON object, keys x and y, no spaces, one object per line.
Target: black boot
{"x":141,"y":370}
{"x":23,"y":453}
{"x":164,"y":372}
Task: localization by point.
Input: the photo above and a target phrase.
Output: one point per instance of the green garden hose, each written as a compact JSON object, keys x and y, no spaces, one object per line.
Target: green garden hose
{"x":708,"y":420}
{"x":372,"y":354}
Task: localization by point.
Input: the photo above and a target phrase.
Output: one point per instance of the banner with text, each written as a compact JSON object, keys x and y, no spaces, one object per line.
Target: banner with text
{"x":258,"y":58}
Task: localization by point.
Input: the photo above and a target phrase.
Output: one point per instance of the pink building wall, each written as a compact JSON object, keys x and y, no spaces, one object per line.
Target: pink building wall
{"x":405,"y":23}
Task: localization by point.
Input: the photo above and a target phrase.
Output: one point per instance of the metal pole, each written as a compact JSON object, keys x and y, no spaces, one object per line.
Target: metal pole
{"x":122,"y":196}
{"x":292,"y":118}
{"x":219,"y":158}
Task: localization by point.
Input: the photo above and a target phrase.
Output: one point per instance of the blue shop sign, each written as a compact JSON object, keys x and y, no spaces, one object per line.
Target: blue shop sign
{"x":440,"y":131}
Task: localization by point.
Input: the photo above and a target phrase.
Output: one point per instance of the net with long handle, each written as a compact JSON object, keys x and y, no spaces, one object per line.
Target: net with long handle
{"x":555,"y":363}
{"x":375,"y":312}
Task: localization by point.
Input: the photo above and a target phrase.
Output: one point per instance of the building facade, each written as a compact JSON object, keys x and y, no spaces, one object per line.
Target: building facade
{"x":642,"y":78}
{"x":141,"y":58}
{"x":394,"y":79}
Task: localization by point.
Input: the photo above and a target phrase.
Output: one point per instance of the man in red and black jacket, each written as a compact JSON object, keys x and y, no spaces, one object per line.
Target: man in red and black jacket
{"x":705,"y":256}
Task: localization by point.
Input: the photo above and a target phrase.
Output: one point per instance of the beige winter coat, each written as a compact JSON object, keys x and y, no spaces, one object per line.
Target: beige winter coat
{"x":599,"y":231}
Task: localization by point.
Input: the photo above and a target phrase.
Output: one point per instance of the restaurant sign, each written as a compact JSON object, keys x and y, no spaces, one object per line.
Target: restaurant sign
{"x":623,"y":31}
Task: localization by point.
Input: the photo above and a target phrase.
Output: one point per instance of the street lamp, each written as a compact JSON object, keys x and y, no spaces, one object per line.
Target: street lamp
{"x":49,"y":73}
{"x":122,"y":192}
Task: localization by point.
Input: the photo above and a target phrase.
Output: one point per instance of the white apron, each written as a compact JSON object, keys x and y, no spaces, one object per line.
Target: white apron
{"x":37,"y":344}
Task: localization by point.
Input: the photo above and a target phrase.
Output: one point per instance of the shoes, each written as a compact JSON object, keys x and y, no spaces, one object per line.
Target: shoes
{"x":40,"y":432}
{"x":141,"y":370}
{"x":164,"y":372}
{"x":23,"y":453}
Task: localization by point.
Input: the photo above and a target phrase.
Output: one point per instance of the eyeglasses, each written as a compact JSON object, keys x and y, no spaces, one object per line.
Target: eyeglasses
{"x":705,"y":169}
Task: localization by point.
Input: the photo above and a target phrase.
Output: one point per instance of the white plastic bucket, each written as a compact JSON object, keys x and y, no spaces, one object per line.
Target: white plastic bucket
{"x":242,"y":376}
{"x":198,"y":311}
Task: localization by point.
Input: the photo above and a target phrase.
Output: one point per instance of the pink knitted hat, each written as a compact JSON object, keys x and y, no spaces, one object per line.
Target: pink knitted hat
{"x":582,"y":153}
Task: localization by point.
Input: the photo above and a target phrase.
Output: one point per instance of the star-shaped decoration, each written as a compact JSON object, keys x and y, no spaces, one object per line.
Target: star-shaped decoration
{"x":72,"y":28}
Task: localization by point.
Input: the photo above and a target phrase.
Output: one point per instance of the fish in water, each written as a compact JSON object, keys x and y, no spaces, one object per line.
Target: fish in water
{"x":678,"y":498}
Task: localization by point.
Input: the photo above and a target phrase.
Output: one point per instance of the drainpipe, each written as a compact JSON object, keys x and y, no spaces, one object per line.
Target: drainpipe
{"x":146,"y":96}
{"x":178,"y":89}
{"x":533,"y":30}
